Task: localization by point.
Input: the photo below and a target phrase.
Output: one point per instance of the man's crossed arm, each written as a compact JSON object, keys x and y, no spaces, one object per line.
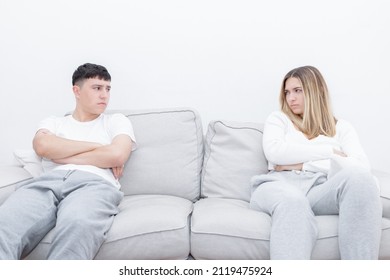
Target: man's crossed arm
{"x":65,"y":151}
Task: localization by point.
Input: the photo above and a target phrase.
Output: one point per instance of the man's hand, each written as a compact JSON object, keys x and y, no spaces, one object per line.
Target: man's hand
{"x":118,"y":171}
{"x":297,"y":166}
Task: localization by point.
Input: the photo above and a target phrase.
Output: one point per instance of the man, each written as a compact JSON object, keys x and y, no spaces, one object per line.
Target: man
{"x":83,"y":157}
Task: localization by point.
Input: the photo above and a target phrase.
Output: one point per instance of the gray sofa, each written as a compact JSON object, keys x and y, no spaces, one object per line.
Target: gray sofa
{"x":187,"y":194}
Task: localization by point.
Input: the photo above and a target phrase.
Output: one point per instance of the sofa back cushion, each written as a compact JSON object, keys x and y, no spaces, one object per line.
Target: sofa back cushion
{"x":233,"y":154}
{"x":169,"y":154}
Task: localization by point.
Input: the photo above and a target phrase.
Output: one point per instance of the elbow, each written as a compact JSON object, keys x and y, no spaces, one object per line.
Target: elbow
{"x":119,"y":158}
{"x":120,"y":154}
{"x":275,"y":151}
{"x":274,"y":156}
{"x":41,"y":143}
{"x":274,"y":160}
{"x":40,"y":148}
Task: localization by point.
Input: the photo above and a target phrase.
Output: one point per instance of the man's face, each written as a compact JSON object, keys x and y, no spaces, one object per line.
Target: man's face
{"x":93,"y":95}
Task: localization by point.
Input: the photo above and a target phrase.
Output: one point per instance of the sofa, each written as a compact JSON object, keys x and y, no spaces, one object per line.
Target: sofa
{"x":187,"y":193}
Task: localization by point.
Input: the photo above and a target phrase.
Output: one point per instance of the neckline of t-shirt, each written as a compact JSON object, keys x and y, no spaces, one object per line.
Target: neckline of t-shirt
{"x":84,"y":123}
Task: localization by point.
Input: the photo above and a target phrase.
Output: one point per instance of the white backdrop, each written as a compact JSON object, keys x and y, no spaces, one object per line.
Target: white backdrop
{"x":224,"y":58}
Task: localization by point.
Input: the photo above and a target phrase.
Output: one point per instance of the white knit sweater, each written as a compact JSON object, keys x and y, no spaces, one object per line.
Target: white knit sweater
{"x":283,"y":145}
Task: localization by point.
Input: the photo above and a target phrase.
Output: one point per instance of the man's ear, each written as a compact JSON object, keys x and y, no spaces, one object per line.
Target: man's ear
{"x":76,"y":91}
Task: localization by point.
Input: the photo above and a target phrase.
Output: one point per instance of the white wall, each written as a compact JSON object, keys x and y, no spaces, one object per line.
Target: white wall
{"x":224,"y":58}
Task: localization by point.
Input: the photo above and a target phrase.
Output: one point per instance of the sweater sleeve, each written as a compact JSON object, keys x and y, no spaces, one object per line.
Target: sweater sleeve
{"x":350,"y":145}
{"x":322,"y":165}
{"x":278,"y":151}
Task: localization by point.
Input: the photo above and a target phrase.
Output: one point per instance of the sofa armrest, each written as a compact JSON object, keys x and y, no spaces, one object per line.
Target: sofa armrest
{"x":10,"y":177}
{"x":384,"y":184}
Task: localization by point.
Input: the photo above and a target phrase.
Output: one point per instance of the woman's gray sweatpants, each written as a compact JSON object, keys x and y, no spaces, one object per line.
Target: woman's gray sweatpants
{"x":293,"y":198}
{"x":81,"y":206}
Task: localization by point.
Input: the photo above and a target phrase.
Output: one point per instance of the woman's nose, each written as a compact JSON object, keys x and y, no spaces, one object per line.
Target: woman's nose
{"x":291,"y":96}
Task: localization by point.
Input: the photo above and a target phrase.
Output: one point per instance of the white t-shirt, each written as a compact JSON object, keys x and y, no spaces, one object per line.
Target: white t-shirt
{"x":101,"y":130}
{"x":283,"y":144}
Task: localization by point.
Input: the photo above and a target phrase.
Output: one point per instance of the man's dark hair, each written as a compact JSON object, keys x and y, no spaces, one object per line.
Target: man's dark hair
{"x":88,"y":71}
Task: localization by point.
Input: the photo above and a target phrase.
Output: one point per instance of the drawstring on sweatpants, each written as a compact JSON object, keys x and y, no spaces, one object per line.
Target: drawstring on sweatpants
{"x":68,"y":174}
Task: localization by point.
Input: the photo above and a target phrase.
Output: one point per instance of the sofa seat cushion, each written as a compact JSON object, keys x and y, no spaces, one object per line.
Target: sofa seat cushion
{"x":11,"y":177}
{"x":384,"y":185}
{"x":147,"y":227}
{"x":229,"y":229}
{"x":384,"y":249}
{"x":327,"y":243}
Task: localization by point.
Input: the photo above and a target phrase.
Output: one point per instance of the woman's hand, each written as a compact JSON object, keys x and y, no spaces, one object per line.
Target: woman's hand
{"x":290,"y":167}
{"x":339,"y":153}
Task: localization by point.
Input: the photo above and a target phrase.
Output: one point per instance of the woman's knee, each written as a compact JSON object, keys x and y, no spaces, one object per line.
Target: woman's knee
{"x":293,"y":202}
{"x":357,"y":174}
{"x":275,"y":196}
{"x":361,"y":183}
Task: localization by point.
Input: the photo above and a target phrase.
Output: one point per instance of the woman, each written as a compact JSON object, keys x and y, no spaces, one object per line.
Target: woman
{"x":317,"y":167}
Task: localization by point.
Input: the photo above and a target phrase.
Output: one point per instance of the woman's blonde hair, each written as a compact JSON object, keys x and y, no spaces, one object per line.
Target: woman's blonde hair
{"x":317,"y":118}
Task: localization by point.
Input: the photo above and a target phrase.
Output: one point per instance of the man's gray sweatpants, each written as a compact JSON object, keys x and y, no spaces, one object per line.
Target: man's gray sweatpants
{"x":293,"y":198}
{"x":81,"y":206}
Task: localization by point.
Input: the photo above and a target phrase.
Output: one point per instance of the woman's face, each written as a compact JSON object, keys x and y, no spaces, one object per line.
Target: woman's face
{"x":294,"y":95}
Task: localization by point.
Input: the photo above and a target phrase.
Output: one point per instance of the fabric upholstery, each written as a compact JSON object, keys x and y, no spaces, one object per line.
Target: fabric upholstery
{"x":169,"y":154}
{"x":183,"y":200}
{"x":233,"y":154}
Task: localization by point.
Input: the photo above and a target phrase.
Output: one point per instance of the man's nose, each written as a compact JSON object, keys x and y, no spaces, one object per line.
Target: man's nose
{"x":104,"y":93}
